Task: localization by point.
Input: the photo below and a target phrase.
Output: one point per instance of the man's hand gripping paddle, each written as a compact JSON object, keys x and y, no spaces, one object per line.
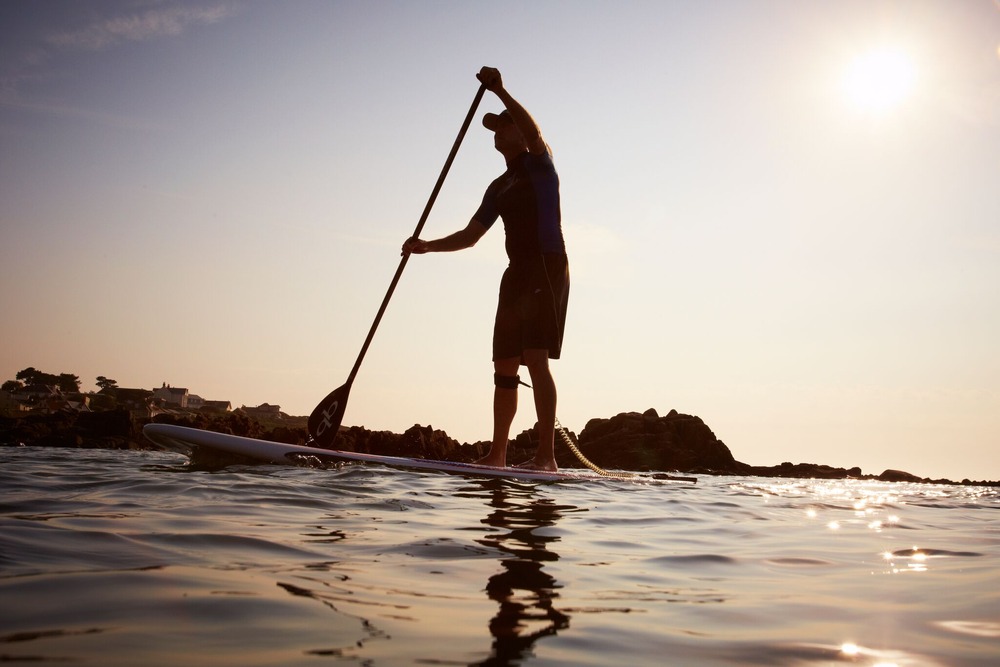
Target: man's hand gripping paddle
{"x":324,"y":422}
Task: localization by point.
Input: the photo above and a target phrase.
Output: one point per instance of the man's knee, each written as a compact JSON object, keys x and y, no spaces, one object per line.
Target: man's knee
{"x":507,"y":381}
{"x":537,"y":362}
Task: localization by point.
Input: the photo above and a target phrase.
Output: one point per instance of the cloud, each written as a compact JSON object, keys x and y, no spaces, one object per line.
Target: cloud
{"x":151,"y":24}
{"x":31,"y":57}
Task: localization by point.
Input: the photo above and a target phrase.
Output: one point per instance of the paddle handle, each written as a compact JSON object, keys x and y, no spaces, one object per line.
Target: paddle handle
{"x":419,"y":228}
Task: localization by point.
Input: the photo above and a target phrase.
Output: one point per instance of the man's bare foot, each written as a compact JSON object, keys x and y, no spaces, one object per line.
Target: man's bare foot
{"x":548,"y":466}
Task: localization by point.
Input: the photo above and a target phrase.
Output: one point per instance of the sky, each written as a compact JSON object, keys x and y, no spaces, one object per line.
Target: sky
{"x":782,"y":216}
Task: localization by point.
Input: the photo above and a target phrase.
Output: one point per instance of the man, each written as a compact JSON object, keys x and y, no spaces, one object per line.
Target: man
{"x":531,"y":310}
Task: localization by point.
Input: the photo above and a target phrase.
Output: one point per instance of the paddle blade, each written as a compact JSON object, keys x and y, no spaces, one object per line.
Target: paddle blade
{"x":324,"y":422}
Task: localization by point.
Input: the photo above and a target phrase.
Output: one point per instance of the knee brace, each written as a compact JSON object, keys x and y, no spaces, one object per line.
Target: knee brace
{"x":508,"y":381}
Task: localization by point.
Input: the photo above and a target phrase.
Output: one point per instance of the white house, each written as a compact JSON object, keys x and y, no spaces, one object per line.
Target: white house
{"x":176,"y":396}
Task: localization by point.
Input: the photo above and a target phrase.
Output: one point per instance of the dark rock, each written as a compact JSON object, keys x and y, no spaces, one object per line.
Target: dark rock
{"x":423,"y":442}
{"x":289,"y":436}
{"x":427,"y":443}
{"x":898,"y":476}
{"x":233,"y":423}
{"x":633,"y":441}
{"x":111,"y":423}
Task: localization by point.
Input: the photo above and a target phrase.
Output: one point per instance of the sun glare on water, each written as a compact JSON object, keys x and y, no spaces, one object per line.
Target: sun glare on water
{"x":879,"y":80}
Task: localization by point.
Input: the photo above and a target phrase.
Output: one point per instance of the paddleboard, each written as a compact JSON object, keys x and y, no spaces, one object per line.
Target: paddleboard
{"x":189,"y":440}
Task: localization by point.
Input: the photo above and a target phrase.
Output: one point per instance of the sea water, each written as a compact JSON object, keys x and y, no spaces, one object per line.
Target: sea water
{"x":133,"y":558}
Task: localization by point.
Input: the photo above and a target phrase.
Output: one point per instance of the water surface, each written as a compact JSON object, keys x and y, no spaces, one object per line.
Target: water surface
{"x":126,"y":558}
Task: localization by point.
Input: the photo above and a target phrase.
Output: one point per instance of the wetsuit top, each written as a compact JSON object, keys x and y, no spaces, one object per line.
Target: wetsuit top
{"x":526,"y":196}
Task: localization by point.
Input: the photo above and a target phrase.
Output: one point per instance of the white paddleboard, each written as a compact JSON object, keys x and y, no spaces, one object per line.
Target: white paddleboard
{"x":187,"y":440}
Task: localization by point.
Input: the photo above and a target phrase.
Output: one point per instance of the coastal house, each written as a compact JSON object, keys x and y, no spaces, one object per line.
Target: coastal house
{"x":50,"y":399}
{"x":10,"y":406}
{"x":172,"y":396}
{"x":76,"y":402}
{"x":263,"y":410}
{"x":136,"y":401}
{"x":40,"y":397}
{"x":196,"y":402}
{"x":35,"y":393}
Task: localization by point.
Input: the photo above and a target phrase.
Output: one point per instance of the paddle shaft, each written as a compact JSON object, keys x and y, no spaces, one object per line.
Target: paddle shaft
{"x":416,"y":232}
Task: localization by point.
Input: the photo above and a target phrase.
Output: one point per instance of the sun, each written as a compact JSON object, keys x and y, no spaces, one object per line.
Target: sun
{"x":879,"y":80}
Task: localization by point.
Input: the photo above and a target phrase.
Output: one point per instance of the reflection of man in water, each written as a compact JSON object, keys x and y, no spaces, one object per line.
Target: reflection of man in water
{"x":524,"y":591}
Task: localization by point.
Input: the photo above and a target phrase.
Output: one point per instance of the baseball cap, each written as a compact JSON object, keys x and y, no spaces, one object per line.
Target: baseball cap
{"x":491,"y":121}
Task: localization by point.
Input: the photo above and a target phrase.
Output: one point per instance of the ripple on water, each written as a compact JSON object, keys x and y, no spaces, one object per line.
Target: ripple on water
{"x":800,"y":562}
{"x":188,"y":614}
{"x":696,"y":561}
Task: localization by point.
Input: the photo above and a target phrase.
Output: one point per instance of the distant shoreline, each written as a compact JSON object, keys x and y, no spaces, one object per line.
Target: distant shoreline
{"x":643,"y":442}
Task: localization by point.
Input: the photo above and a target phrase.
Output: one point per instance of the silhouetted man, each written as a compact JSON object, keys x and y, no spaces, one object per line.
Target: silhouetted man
{"x":534,"y":290}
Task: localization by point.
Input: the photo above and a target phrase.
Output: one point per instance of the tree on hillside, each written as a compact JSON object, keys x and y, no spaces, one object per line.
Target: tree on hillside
{"x":106,"y":383}
{"x":29,"y":375}
{"x":66,"y":382}
{"x":69,"y":383}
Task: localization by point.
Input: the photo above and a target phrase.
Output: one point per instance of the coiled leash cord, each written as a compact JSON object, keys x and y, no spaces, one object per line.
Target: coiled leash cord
{"x":512,"y":382}
{"x":587,"y":462}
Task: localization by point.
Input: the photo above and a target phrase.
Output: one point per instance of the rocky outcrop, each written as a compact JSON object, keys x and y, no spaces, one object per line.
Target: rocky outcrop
{"x":423,"y":442}
{"x":646,"y":441}
{"x":898,"y":476}
{"x":802,"y":470}
{"x":112,"y":429}
{"x":628,"y":441}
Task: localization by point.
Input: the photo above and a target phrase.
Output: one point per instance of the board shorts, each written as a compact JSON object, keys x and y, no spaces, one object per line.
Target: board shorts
{"x":531,"y":309}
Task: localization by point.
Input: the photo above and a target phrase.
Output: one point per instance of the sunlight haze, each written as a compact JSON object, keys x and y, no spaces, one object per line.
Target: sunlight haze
{"x":880,"y":80}
{"x":782,"y":217}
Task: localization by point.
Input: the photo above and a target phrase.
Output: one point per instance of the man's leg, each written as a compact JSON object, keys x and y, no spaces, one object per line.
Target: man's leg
{"x":544,"y":387}
{"x":504,"y":409}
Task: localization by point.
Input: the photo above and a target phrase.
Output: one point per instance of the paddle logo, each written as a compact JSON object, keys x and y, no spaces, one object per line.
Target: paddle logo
{"x":327,"y":420}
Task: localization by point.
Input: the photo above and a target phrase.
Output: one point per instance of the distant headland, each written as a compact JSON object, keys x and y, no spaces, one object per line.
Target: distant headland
{"x":53,"y":415}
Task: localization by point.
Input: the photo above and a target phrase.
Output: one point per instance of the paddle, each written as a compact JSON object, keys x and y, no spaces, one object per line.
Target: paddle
{"x":324,"y":422}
